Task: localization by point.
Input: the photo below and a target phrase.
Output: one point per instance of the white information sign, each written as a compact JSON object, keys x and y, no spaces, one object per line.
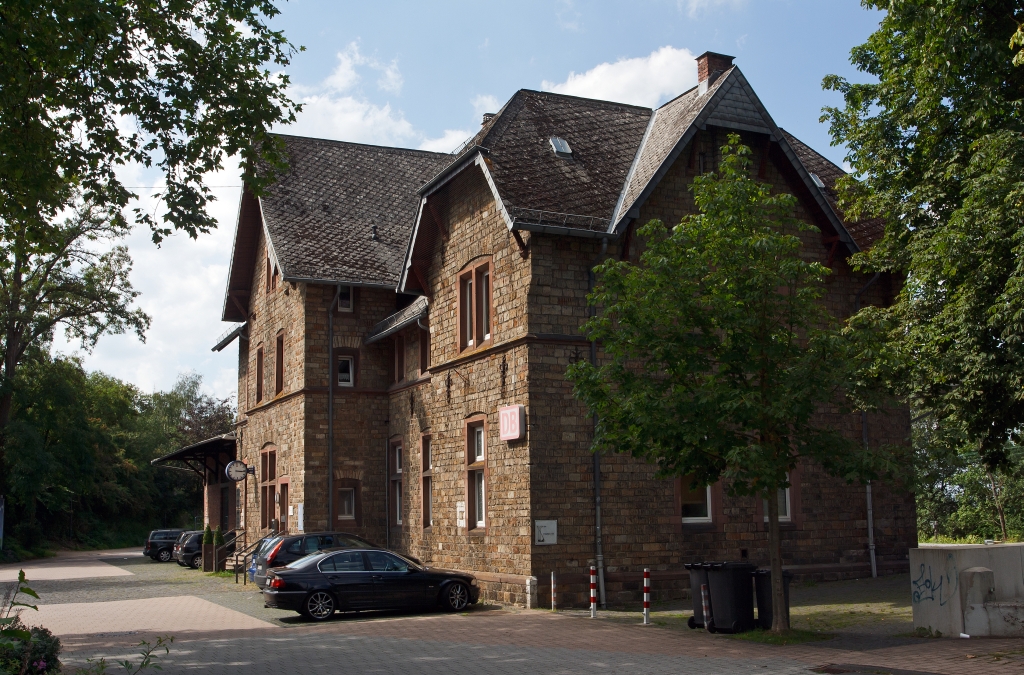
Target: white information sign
{"x":545,"y":532}
{"x":460,"y":514}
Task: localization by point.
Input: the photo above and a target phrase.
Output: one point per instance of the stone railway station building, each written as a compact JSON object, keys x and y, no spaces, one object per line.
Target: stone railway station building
{"x":396,"y":307}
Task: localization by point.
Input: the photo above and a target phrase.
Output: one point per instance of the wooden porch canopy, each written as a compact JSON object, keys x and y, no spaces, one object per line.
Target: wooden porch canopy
{"x":205,"y":457}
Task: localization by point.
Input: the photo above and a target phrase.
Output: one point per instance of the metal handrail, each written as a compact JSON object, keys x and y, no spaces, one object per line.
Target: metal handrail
{"x":247,"y":553}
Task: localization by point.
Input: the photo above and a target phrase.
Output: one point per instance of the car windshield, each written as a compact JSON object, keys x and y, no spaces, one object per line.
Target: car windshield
{"x":311,"y":559}
{"x":267,"y":545}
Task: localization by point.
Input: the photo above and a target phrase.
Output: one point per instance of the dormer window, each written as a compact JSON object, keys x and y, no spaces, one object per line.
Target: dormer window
{"x":561,"y":147}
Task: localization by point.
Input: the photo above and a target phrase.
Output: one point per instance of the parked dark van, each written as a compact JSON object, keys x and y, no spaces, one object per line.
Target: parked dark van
{"x":188,"y":550}
{"x":282,"y":550}
{"x":160,"y":544}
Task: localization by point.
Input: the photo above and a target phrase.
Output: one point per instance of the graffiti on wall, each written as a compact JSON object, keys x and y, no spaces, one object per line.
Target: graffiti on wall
{"x":936,"y":588}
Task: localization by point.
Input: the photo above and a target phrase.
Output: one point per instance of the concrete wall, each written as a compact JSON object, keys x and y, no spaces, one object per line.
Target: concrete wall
{"x":935,"y":582}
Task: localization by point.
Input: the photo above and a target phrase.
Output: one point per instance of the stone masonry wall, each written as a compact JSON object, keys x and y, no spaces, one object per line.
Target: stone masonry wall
{"x":278,"y":420}
{"x":461,"y":385}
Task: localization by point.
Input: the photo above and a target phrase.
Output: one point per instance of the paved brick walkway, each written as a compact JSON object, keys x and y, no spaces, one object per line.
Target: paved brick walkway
{"x":223,"y":628}
{"x":517,"y":642}
{"x":163,"y":615}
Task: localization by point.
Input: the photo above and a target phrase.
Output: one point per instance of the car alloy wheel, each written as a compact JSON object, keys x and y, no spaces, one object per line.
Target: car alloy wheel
{"x":197,"y":562}
{"x":164,"y":556}
{"x":319,"y":606}
{"x":456,"y":597}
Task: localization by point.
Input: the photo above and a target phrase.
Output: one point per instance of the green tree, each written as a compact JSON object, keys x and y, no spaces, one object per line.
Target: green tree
{"x":936,"y":140}
{"x":81,"y":443}
{"x":719,"y":353}
{"x":77,"y":277}
{"x":89,"y":85}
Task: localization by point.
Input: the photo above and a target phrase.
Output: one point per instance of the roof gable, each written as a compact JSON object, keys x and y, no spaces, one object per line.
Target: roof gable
{"x":728,"y":102}
{"x":341,"y":214}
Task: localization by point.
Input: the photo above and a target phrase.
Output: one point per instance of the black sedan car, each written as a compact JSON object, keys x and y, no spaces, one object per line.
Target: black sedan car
{"x":363,"y":579}
{"x":285,"y":549}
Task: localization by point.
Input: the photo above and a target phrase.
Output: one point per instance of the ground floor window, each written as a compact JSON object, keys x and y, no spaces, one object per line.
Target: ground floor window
{"x":695,"y":502}
{"x":785,"y":514}
{"x":478,"y":501}
{"x":347,"y":504}
{"x":428,"y":503}
{"x":395,"y":470}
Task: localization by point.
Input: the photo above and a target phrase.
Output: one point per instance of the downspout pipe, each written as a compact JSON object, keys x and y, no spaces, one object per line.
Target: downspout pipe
{"x":330,"y":408}
{"x":598,"y":549}
{"x":864,"y":438}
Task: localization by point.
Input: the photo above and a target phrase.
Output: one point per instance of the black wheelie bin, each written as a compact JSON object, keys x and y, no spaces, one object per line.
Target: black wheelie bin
{"x":763,"y":583}
{"x":732,"y":596}
{"x":698,"y":576}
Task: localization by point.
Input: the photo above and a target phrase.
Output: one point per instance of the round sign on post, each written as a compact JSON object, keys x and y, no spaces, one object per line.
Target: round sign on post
{"x":236,"y":470}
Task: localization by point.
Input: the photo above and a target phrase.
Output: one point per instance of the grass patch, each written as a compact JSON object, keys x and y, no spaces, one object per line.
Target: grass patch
{"x":223,"y":575}
{"x":793,"y":636}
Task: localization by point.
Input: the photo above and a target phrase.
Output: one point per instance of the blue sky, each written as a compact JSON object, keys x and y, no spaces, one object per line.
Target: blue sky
{"x":417,"y":74}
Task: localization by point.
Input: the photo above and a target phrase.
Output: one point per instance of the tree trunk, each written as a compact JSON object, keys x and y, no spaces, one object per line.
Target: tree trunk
{"x":780,"y":620}
{"x":999,"y":503}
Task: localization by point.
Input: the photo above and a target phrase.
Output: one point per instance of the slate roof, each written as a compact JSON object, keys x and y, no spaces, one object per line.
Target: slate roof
{"x":344,"y":211}
{"x":865,"y":232}
{"x":668,"y":125}
{"x":531,"y":178}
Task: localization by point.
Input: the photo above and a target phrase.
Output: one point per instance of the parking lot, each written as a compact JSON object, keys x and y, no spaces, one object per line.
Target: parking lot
{"x":104,"y":604}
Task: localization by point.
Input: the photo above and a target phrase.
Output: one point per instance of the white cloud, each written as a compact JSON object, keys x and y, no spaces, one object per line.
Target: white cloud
{"x":646,"y":80}
{"x":569,"y":18}
{"x":345,"y":75}
{"x":485,"y":103}
{"x":696,"y":7}
{"x":336,"y":109}
{"x":448,"y":142}
{"x":182,"y":285}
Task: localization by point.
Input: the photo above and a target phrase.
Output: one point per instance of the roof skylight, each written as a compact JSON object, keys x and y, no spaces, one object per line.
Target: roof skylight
{"x":817,"y":181}
{"x":560,"y":146}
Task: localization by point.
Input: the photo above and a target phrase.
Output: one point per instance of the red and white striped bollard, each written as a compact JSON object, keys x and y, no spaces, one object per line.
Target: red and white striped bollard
{"x":593,"y":592}
{"x":647,"y":596}
{"x":553,"y":593}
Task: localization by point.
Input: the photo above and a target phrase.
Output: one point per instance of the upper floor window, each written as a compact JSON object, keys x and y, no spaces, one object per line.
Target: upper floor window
{"x":279,"y":365}
{"x":475,"y":305}
{"x":271,"y":275}
{"x":346,"y":301}
{"x":259,"y":374}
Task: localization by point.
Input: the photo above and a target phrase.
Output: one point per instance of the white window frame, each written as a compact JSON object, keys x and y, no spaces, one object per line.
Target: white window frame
{"x":707,"y":502}
{"x":351,"y":372}
{"x":398,"y":502}
{"x":479,"y":443}
{"x":398,"y":458}
{"x":352,"y":492}
{"x":429,"y":499}
{"x":788,"y":518}
{"x":479,"y":494}
{"x":348,"y":306}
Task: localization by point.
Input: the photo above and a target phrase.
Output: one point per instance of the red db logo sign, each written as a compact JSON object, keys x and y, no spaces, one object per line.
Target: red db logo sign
{"x":512,"y":419}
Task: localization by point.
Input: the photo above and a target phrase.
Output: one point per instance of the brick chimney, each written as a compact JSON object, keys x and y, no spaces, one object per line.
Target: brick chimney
{"x":709,"y":66}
